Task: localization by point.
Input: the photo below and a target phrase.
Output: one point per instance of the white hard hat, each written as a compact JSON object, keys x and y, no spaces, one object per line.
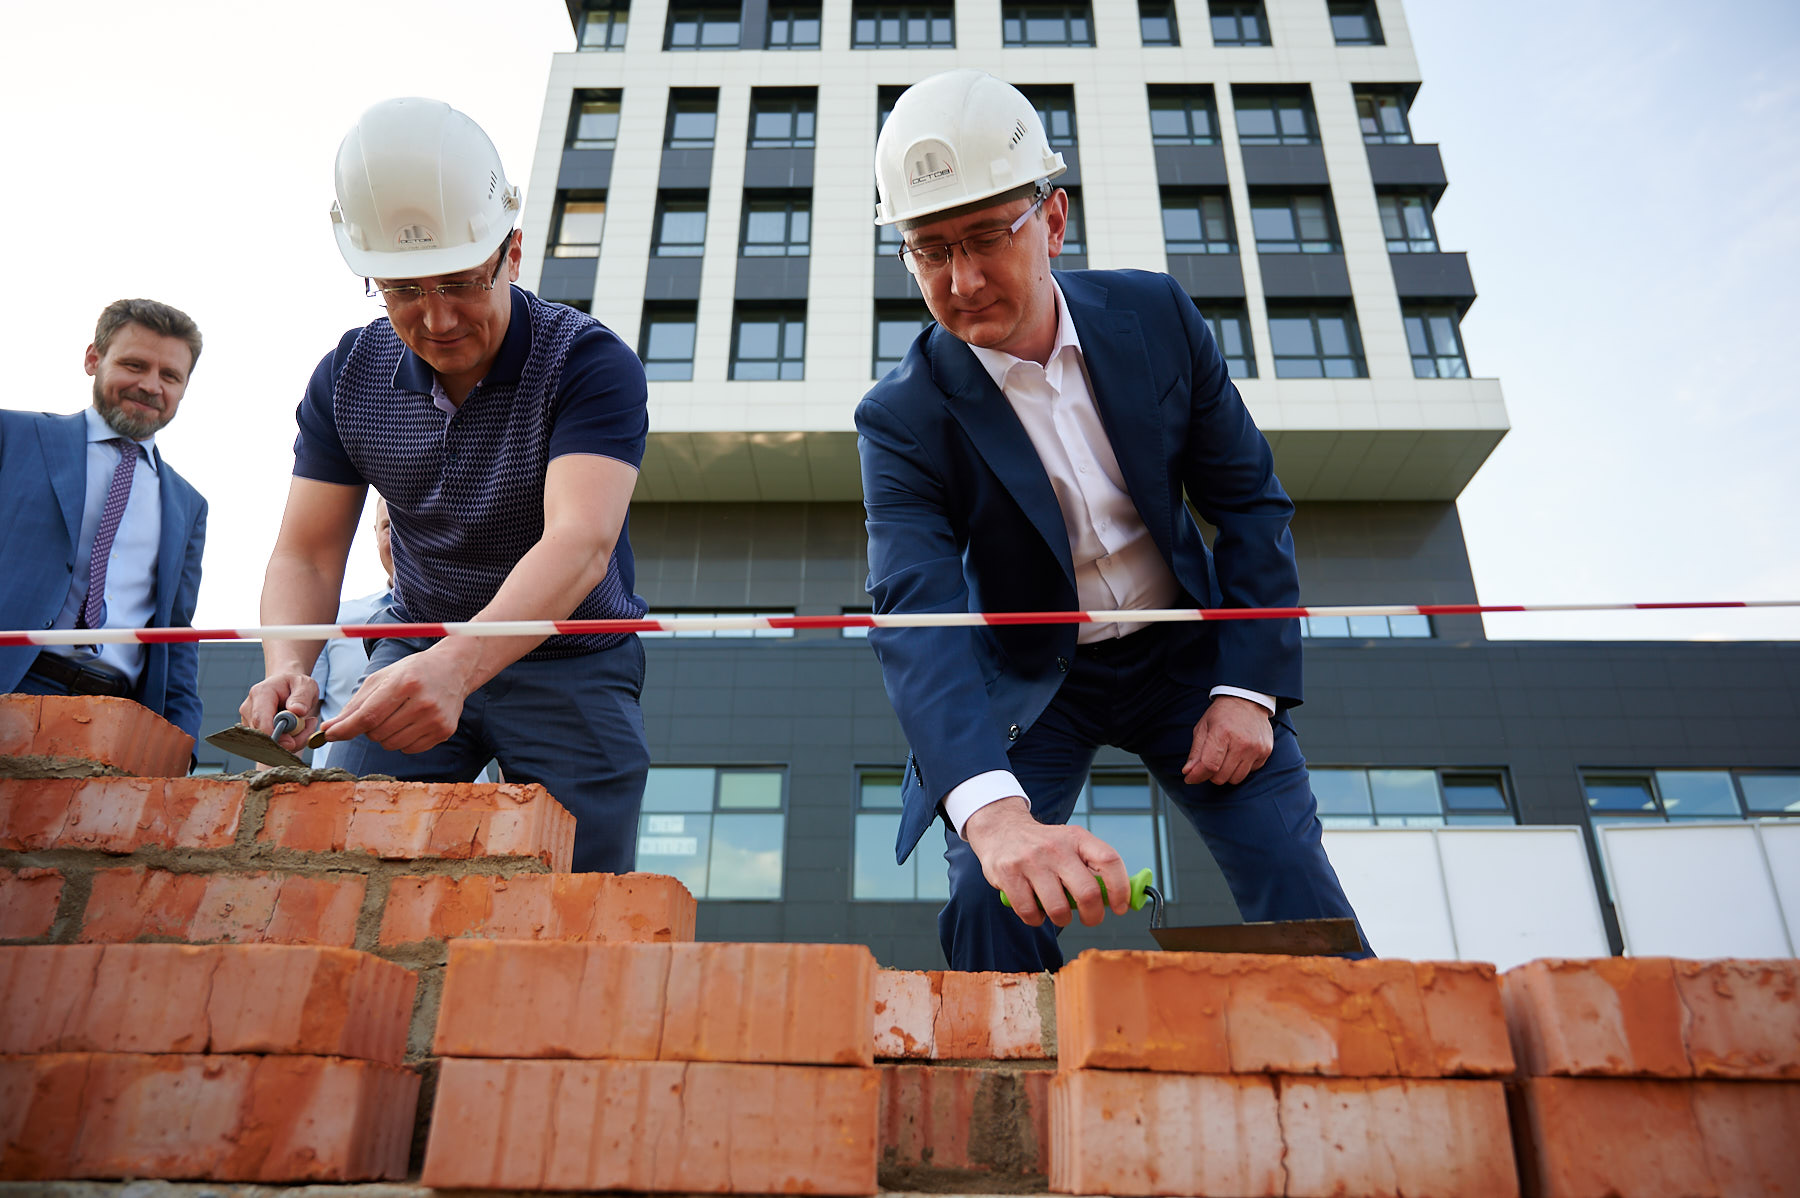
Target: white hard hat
{"x":956,"y":138}
{"x":420,"y":192}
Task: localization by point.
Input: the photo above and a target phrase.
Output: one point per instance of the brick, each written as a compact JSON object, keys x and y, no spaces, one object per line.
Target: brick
{"x":1743,"y":1017}
{"x":963,"y":1016}
{"x":939,"y":1122}
{"x":1232,"y":1013}
{"x":119,"y":815}
{"x":654,"y":1126}
{"x":214,"y":1118}
{"x":92,"y":728}
{"x":750,"y":1003}
{"x":177,"y":998}
{"x":408,"y":821}
{"x":1658,"y":1138}
{"x":28,"y":901}
{"x":1113,"y":1132}
{"x":258,"y":908}
{"x":1608,"y":1016}
{"x":640,"y":908}
{"x":1447,"y":1138}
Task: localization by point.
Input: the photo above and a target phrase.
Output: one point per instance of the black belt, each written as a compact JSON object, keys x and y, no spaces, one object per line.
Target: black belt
{"x":91,"y":679}
{"x":1113,"y":647}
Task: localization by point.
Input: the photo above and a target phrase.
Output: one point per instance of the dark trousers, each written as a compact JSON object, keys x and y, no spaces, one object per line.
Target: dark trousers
{"x":1263,"y":832}
{"x":570,"y":724}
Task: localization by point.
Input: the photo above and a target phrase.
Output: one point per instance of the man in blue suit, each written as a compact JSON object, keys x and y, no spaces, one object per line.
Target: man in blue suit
{"x":1037,"y":449}
{"x":101,"y":532}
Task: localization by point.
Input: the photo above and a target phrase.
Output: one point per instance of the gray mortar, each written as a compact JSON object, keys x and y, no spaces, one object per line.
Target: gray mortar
{"x":30,"y":765}
{"x":1046,"y":1009}
{"x":303,"y":775}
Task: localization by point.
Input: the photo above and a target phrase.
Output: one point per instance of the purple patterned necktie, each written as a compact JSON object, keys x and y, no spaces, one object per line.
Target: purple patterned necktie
{"x":117,"y":496}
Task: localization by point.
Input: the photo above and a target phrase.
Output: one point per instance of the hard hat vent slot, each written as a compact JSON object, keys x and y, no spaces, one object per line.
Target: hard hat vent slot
{"x":1018,"y":135}
{"x":493,"y":183}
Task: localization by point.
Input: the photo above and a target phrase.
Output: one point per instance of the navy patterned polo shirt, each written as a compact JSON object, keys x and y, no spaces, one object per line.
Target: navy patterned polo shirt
{"x":465,"y":488}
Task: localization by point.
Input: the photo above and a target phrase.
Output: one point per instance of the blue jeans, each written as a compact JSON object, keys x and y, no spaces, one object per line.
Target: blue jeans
{"x":1263,"y":832}
{"x":570,"y":724}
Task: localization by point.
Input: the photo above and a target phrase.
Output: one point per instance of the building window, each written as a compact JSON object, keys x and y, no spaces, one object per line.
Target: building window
{"x":1433,"y":798}
{"x":782,"y":120}
{"x":1292,"y":223}
{"x":720,"y":831}
{"x":603,"y":25}
{"x":1230,"y":324}
{"x":1075,"y":232}
{"x":1365,"y":627}
{"x":897,"y":326}
{"x":887,"y":239}
{"x":1126,"y":810}
{"x":1383,"y":117}
{"x":721,"y":634}
{"x":1275,"y":119}
{"x":1354,"y":23}
{"x":1626,"y":796}
{"x":702,"y":25}
{"x":793,"y":27}
{"x":903,"y":27}
{"x":680,"y":226}
{"x":768,"y":343}
{"x":1312,"y":343}
{"x":693,"y":119}
{"x":1435,"y":341}
{"x":1406,"y":222}
{"x":1156,"y":23}
{"x":577,"y":223}
{"x":1056,"y":108}
{"x":1046,"y":25}
{"x":874,"y":877}
{"x":667,"y":344}
{"x":1239,"y":23}
{"x":1196,"y":222}
{"x":777,"y":226}
{"x":594,"y":124}
{"x":1183,"y":116}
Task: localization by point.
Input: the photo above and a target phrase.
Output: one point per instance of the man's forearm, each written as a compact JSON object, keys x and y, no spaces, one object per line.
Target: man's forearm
{"x":297,"y":592}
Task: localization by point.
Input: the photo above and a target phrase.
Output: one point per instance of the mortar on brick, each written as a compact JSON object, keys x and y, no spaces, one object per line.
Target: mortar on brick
{"x":27,"y":765}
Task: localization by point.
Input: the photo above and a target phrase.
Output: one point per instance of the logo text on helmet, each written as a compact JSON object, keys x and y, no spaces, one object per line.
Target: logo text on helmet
{"x":414,"y":237}
{"x":931,"y":167}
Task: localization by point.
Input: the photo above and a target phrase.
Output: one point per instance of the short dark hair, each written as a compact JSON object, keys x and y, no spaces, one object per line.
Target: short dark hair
{"x":159,"y":318}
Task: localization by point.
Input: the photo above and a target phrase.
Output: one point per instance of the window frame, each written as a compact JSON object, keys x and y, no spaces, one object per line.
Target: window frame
{"x":783,"y":315}
{"x":1349,"y":9}
{"x":1340,"y":628}
{"x":1199,"y":196}
{"x":1192,"y":98}
{"x":658,"y":313}
{"x":1235,"y":11}
{"x":1401,"y":199}
{"x":1165,"y":11}
{"x":790,"y":203}
{"x":1374,"y":98}
{"x":895,"y":312}
{"x":1652,"y":775}
{"x":702,"y":13}
{"x":1242,"y":100}
{"x":1216,"y":313}
{"x":904,"y":15}
{"x":556,"y":246}
{"x":1447,"y":816}
{"x":688,"y":101}
{"x":1424,"y":316}
{"x":617,"y":24}
{"x":1049,"y":99}
{"x":572,"y":139}
{"x":1074,"y":230}
{"x":1021,"y":13}
{"x":1313,"y":313}
{"x":716,"y":809}
{"x":685,"y":202}
{"x":795,"y":103}
{"x":1268,"y":200}
{"x":791,"y":12}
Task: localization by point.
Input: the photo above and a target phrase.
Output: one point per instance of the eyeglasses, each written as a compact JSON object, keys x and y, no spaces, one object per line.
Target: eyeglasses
{"x":464,"y":291}
{"x":929,"y":259}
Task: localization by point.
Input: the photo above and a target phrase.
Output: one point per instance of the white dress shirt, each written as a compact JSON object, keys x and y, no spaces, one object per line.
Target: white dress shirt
{"x":131,"y":570}
{"x":1117,"y":564}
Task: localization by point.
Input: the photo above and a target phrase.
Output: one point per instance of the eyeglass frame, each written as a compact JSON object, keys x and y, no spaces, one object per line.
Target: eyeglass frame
{"x":908,"y":260}
{"x":385,"y":296}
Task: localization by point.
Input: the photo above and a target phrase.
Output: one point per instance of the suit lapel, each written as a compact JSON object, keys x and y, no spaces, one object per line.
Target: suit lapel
{"x":994,"y":429}
{"x":64,"y":443}
{"x":1118,"y":368}
{"x":171,"y":551}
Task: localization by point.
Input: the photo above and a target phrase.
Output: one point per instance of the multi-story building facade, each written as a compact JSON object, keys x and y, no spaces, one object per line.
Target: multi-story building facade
{"x":703,"y":184}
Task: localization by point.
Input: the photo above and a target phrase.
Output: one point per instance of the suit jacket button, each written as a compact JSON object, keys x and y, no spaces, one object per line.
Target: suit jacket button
{"x":1062,"y":664}
{"x":1012,"y":733}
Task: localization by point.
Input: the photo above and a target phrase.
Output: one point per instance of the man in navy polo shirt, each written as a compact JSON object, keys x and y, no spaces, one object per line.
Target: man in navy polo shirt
{"x":505,"y":434}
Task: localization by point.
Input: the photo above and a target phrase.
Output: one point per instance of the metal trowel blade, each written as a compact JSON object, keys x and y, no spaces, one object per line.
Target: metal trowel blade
{"x":257,"y":746}
{"x":1290,"y":937}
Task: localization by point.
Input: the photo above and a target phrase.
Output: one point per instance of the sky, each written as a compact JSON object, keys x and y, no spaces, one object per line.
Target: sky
{"x":1622,"y":175}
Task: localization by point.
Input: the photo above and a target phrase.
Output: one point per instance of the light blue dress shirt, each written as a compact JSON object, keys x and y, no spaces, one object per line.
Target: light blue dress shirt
{"x":131,"y":573}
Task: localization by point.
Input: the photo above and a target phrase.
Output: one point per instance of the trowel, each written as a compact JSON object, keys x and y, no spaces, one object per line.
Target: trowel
{"x":261,"y":746}
{"x":1286,"y":937}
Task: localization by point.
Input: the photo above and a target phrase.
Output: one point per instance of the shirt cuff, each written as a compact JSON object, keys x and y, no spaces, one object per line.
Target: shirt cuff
{"x":966,"y":798}
{"x":1239,"y":692}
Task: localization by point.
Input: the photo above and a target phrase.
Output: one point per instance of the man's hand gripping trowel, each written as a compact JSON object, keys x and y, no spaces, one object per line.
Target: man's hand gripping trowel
{"x":261,"y":746}
{"x":1290,"y":937}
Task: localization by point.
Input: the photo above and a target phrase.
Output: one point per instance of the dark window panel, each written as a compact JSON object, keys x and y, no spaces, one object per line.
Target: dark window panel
{"x":667,"y":347}
{"x":1046,"y":25}
{"x":680,"y":227}
{"x":1382,"y":114}
{"x":768,"y":343}
{"x":1355,"y":22}
{"x":1293,"y":223}
{"x":903,"y":26}
{"x":693,"y":120}
{"x":1238,"y":23}
{"x":1156,"y":23}
{"x":602,"y":25}
{"x":702,"y":26}
{"x":1435,"y":341}
{"x":1313,"y":343}
{"x":793,"y":27}
{"x":594,"y":122}
{"x":1183,"y":116}
{"x":576,"y":225}
{"x":1275,"y":119}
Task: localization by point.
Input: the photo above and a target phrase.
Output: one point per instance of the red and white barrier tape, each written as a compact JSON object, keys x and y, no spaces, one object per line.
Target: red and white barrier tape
{"x":540,"y":628}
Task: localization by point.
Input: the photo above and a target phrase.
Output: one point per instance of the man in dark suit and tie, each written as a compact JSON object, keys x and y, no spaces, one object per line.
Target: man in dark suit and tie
{"x":101,"y":532}
{"x":1037,"y":449}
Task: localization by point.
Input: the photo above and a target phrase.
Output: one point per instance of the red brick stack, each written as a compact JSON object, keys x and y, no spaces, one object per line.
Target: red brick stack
{"x":965,"y":1078}
{"x":225,"y":1063}
{"x":735,"y":1068}
{"x":1247,"y":1075}
{"x":1652,"y":1077}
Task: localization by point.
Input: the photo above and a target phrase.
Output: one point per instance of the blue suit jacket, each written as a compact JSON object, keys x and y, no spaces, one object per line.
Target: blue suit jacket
{"x":961,"y":517}
{"x":43,"y":483}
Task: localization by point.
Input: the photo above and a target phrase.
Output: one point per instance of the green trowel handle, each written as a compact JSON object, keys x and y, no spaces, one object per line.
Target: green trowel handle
{"x":1140,"y":881}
